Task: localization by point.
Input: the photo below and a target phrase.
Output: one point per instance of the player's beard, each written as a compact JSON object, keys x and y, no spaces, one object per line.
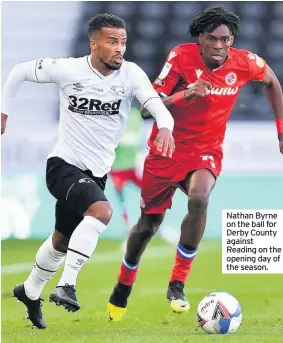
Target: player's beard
{"x":111,"y":66}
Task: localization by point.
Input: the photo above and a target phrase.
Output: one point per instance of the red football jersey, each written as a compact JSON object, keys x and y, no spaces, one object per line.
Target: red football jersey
{"x":200,"y":124}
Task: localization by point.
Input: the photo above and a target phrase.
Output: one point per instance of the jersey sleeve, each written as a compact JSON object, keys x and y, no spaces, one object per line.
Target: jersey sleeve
{"x":40,"y":71}
{"x":170,"y":74}
{"x":150,"y":100}
{"x":142,"y":88}
{"x":257,"y":66}
{"x":48,"y":70}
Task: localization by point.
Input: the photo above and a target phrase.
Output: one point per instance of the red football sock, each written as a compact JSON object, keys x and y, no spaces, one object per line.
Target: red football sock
{"x":128,"y":273}
{"x":183,"y":262}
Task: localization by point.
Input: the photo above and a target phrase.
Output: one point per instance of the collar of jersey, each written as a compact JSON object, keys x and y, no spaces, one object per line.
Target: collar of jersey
{"x":95,"y":71}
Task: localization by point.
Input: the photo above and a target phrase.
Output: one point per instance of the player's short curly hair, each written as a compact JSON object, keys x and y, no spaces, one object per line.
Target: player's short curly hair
{"x":105,"y":20}
{"x":210,"y":18}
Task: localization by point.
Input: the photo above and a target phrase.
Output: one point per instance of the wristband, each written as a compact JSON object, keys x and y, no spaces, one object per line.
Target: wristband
{"x":178,"y":98}
{"x":165,"y":122}
{"x":279,"y":125}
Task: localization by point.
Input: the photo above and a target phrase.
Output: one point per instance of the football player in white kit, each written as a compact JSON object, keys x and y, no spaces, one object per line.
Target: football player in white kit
{"x":96,"y":92}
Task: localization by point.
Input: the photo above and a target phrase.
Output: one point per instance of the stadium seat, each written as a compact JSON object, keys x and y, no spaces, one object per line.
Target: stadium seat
{"x":252,"y":9}
{"x":251,"y":28}
{"x":276,"y":29}
{"x":154,"y":9}
{"x":150,"y":29}
{"x":278,"y":9}
{"x":185,"y":10}
{"x":123,"y":9}
{"x":274,"y":49}
{"x":144,"y":49}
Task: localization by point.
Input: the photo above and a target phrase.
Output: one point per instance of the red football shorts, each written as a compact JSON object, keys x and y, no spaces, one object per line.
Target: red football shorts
{"x":121,"y":177}
{"x":162,"y":176}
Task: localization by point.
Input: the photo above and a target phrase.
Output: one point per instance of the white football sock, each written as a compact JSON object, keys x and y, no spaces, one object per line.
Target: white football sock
{"x":81,"y":246}
{"x":47,"y":262}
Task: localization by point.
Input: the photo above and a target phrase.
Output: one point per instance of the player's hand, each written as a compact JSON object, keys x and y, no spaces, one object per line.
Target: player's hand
{"x":281,"y":146}
{"x":164,"y":142}
{"x":3,"y":122}
{"x":197,"y":89}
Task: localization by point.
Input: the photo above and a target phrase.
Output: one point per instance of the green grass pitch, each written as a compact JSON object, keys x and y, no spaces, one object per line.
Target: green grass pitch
{"x":149,"y":318}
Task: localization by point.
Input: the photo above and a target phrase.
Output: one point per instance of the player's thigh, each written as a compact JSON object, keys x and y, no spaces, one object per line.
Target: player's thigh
{"x":66,"y":220}
{"x":202,"y":172}
{"x":72,"y":187}
{"x":156,"y":191}
{"x":200,"y":182}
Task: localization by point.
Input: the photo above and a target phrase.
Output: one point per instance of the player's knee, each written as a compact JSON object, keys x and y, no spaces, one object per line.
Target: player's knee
{"x":101,"y":210}
{"x":60,"y":242}
{"x":198,"y":203}
{"x":148,"y":224}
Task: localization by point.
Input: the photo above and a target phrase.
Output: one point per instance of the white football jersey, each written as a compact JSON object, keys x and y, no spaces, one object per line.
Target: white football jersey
{"x":93,"y":107}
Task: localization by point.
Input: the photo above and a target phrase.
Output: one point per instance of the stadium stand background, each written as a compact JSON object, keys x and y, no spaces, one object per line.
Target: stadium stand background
{"x":156,"y":27}
{"x":252,"y":164}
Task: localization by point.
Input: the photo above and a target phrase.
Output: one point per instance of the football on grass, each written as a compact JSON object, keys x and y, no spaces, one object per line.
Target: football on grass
{"x":219,"y":312}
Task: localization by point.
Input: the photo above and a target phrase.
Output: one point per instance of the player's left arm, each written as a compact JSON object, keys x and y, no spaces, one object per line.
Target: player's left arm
{"x":167,"y":101}
{"x":151,"y":101}
{"x":275,"y":98}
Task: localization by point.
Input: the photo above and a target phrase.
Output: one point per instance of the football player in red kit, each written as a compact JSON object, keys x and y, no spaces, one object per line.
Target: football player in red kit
{"x":200,"y":84}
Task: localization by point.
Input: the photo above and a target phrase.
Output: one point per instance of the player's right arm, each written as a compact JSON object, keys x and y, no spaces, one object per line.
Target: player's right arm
{"x":167,"y":80}
{"x":40,"y":71}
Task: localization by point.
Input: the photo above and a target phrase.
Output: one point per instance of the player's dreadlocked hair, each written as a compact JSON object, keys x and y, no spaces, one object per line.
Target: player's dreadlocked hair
{"x":210,"y":18}
{"x":105,"y":20}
